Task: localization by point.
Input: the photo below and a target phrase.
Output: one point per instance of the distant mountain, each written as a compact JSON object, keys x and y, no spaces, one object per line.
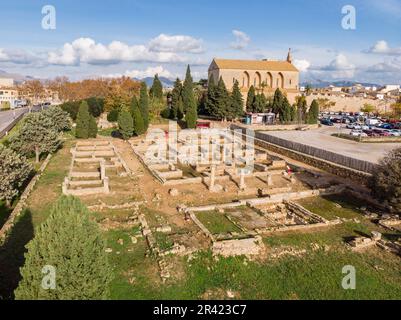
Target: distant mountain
{"x":167,"y":83}
{"x":324,"y":84}
{"x":17,"y":77}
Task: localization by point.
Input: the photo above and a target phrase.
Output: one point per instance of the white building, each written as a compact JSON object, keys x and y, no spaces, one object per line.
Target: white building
{"x":8,"y":97}
{"x":6,"y":82}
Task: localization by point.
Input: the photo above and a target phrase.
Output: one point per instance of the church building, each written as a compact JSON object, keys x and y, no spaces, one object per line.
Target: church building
{"x":265,"y":75}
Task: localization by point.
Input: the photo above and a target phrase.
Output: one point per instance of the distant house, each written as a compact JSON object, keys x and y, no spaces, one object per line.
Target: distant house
{"x":265,"y":75}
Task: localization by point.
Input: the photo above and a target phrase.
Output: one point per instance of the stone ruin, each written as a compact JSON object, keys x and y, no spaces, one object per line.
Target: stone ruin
{"x":91,"y":161}
{"x":210,"y":163}
{"x":255,"y":218}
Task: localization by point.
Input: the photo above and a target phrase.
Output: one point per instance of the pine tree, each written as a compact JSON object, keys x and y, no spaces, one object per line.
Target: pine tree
{"x":61,"y":119}
{"x":313,"y":114}
{"x":83,"y":117}
{"x":237,"y":102}
{"x":250,"y":101}
{"x":222,"y":101}
{"x":156,"y":91}
{"x":92,"y":131}
{"x":144,"y":105}
{"x":125,"y":124}
{"x":14,"y":172}
{"x":71,"y":243}
{"x":187,"y":90}
{"x":175,"y":100}
{"x":137,"y":120}
{"x":37,"y":135}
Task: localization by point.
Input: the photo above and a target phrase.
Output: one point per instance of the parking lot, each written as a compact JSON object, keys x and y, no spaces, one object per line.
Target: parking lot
{"x":321,"y":138}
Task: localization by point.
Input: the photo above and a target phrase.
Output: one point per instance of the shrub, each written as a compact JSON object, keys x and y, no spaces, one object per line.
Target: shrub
{"x":112,"y":116}
{"x":70,"y":242}
{"x":14,"y":172}
{"x":92,"y":132}
{"x":385,"y":182}
{"x":125,"y":124}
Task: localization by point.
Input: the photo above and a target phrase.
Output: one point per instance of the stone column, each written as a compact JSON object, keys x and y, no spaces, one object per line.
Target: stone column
{"x":269,"y":180}
{"x":102,"y":169}
{"x":106,"y":185}
{"x":242,"y":185}
{"x":212,"y":177}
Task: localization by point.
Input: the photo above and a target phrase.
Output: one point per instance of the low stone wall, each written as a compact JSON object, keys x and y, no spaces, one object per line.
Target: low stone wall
{"x":281,"y":127}
{"x":22,"y":202}
{"x":368,"y":139}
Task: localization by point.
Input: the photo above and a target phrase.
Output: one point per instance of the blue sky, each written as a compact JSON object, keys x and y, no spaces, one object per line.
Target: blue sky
{"x":139,"y":38}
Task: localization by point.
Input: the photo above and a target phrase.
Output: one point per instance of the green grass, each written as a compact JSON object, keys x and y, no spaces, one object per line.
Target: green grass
{"x":106,"y":132}
{"x":216,"y":222}
{"x":327,"y":208}
{"x":318,"y":275}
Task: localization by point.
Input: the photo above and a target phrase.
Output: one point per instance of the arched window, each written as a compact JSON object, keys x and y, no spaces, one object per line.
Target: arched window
{"x":245,"y":80}
{"x":257,"y":80}
{"x":280,"y":80}
{"x":269,"y":80}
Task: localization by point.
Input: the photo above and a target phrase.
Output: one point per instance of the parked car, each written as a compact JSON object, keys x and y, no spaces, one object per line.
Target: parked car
{"x":326,"y":122}
{"x":354,"y":126}
{"x":358,"y":133}
{"x":381,"y":132}
{"x":392,"y":132}
{"x":371,"y":133}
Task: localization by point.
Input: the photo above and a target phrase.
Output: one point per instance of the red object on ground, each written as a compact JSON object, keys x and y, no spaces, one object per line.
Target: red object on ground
{"x":203,"y":125}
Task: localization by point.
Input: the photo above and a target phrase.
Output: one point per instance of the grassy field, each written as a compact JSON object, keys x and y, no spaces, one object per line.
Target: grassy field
{"x":316,"y":273}
{"x":216,"y":222}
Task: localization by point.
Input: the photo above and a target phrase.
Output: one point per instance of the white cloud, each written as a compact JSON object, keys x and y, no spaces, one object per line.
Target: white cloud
{"x":382,"y":47}
{"x":242,"y":40}
{"x":88,"y":51}
{"x":140,"y":74}
{"x":338,"y":68}
{"x":176,"y":43}
{"x":302,"y":65}
{"x":386,"y":67}
{"x":17,"y":56}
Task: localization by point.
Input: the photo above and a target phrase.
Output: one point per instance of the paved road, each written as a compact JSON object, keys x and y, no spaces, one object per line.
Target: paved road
{"x":321,"y":138}
{"x":7,"y":117}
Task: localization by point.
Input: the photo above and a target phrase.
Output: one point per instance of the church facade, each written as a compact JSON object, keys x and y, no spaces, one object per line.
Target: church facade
{"x":265,"y":75}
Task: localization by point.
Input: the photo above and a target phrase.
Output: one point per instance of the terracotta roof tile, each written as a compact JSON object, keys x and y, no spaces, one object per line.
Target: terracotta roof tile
{"x":255,"y":65}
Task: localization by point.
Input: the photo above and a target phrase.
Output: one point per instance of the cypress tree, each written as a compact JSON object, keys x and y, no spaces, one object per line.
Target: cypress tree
{"x":125,"y":124}
{"x":175,"y":100}
{"x":83,"y":117}
{"x":192,"y":114}
{"x":285,"y":112}
{"x":180,"y":109}
{"x":187,"y":90}
{"x":237,"y":102}
{"x":72,"y":243}
{"x":313,"y":114}
{"x":156,"y":91}
{"x":92,"y":132}
{"x":250,"y":99}
{"x":210,"y":103}
{"x":302,"y":108}
{"x":277,"y":106}
{"x":137,"y":121}
{"x":144,"y":105}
